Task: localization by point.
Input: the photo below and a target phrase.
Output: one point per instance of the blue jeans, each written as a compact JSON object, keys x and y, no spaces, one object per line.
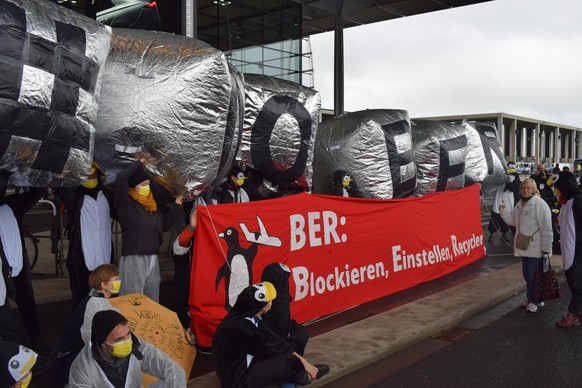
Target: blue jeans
{"x":530,"y":265}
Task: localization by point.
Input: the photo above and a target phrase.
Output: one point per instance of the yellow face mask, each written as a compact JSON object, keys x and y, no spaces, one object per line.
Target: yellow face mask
{"x":91,"y":183}
{"x":240,"y":179}
{"x":122,"y":349}
{"x":346,"y":181}
{"x":116,"y":287}
{"x":144,"y":190}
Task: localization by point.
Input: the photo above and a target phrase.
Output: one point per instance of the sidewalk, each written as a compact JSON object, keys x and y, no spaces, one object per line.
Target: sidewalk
{"x":361,"y":343}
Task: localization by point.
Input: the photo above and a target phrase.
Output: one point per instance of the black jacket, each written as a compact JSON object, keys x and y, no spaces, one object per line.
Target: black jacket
{"x":141,"y":230}
{"x":237,"y":336}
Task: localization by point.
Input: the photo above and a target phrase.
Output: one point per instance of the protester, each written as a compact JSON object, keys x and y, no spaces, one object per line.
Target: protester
{"x":541,"y":179}
{"x":249,"y":354}
{"x":571,"y":225}
{"x":142,"y":224}
{"x":16,"y":362}
{"x":15,"y":264}
{"x":116,"y":357}
{"x":496,"y":223}
{"x":531,"y":218}
{"x":89,"y":231}
{"x":278,"y":318}
{"x":104,"y":283}
{"x":232,"y":191}
{"x":181,"y":250}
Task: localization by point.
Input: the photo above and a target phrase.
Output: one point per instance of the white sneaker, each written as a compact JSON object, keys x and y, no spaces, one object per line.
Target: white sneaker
{"x":541,"y":304}
{"x":531,"y":308}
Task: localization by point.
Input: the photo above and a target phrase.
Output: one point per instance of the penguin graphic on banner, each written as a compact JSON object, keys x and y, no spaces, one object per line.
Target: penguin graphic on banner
{"x":237,"y":270}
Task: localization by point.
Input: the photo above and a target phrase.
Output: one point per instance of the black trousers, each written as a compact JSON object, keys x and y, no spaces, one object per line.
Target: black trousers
{"x":24,"y":296}
{"x":8,"y":330}
{"x":496,"y":223}
{"x":182,"y":268}
{"x":574,"y":280}
{"x":264,"y":373}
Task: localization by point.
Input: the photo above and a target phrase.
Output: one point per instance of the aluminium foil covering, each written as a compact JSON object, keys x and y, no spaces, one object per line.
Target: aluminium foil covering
{"x":440,"y":151}
{"x":51,"y":63}
{"x":373,"y":147}
{"x":485,"y":161}
{"x":280,"y":125}
{"x":171,"y":97}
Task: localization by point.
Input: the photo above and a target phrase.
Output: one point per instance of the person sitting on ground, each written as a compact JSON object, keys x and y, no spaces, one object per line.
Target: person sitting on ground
{"x":142,"y":224}
{"x":16,"y":362}
{"x":115,"y":357}
{"x":249,"y":354}
{"x":89,"y":231}
{"x":278,"y":318}
{"x":571,"y":225}
{"x":104,"y":283}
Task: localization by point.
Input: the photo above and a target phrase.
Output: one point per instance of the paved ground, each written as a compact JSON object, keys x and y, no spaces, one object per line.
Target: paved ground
{"x":506,"y":347}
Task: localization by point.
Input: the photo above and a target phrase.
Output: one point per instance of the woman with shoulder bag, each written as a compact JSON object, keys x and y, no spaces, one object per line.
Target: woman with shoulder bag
{"x":532,"y":219}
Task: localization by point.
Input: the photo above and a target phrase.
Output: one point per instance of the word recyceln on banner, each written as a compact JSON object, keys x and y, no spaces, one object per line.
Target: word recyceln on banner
{"x":342,"y":251}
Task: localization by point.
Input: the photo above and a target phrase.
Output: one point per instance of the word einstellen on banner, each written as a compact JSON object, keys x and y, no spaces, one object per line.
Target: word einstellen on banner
{"x":342,"y":251}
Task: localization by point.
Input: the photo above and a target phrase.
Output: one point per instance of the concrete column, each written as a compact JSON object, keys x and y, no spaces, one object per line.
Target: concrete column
{"x":501,"y":132}
{"x":557,"y":145}
{"x":551,"y":139}
{"x":578,"y":154}
{"x":189,"y":18}
{"x":512,"y":140}
{"x":538,"y":139}
{"x":572,"y":147}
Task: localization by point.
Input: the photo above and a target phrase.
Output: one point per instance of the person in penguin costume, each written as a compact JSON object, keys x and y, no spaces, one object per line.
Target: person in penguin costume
{"x":571,"y":243}
{"x":16,"y":362}
{"x":249,"y":354}
{"x":278,"y":319}
{"x":88,"y":230}
{"x":344,"y":185}
{"x":233,"y":190}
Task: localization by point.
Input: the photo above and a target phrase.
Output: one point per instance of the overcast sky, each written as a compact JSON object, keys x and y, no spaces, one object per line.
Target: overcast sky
{"x":522,"y":57}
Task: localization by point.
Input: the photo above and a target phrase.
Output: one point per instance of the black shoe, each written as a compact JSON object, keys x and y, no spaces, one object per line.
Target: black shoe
{"x":39,"y":346}
{"x":322,"y":370}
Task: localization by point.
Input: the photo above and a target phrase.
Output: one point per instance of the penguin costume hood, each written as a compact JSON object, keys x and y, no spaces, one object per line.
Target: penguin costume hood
{"x":565,"y":186}
{"x":242,"y":336}
{"x":15,"y":362}
{"x":251,"y":300}
{"x":278,"y":275}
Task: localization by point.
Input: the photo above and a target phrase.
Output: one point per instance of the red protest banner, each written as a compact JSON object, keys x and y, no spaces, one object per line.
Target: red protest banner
{"x":342,"y":251}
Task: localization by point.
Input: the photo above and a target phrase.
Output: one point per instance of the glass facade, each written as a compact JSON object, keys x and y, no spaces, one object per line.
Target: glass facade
{"x":258,"y":36}
{"x":289,"y":60}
